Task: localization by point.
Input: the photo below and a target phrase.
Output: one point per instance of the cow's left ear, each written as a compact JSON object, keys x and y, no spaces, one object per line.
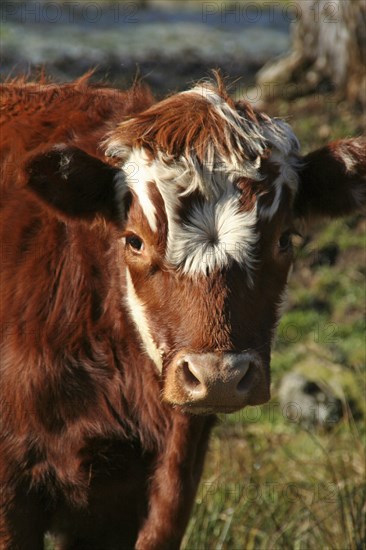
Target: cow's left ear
{"x":74,"y":184}
{"x":333,"y":180}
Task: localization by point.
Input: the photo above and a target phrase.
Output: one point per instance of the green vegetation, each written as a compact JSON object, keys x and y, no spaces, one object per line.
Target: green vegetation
{"x":270,"y":483}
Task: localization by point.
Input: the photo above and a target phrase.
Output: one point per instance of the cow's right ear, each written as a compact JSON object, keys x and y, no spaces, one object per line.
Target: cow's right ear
{"x":75,"y":184}
{"x":332,"y":181}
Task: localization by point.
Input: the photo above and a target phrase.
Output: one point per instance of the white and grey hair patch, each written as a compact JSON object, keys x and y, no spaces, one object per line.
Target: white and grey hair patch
{"x":214,"y":235}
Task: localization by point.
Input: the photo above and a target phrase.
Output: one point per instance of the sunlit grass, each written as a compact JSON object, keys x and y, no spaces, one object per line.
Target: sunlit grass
{"x":274,"y":485}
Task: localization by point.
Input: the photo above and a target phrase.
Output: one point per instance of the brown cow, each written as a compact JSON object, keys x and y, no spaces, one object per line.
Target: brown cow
{"x":146,"y":251}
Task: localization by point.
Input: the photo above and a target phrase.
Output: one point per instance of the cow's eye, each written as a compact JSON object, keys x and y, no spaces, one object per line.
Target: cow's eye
{"x":134,"y":242}
{"x":285,"y":241}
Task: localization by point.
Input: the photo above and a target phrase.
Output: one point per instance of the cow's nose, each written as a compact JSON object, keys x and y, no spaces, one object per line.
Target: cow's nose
{"x":214,"y":381}
{"x":201,"y":374}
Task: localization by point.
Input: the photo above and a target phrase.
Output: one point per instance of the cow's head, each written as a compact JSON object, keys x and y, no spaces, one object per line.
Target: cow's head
{"x":210,"y":193}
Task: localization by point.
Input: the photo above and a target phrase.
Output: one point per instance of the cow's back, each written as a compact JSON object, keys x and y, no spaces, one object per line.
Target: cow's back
{"x":35,"y":115}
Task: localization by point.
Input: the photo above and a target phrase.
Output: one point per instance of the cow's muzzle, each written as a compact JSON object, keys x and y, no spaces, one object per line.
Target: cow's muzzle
{"x":216,"y":382}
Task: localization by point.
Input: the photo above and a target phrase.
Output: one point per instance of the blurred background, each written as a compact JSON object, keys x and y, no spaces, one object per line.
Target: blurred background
{"x":289,"y":474}
{"x":170,"y":43}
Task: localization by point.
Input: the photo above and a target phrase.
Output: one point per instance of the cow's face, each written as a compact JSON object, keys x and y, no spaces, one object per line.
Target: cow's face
{"x":210,"y":194}
{"x":209,"y":329}
{"x":207,"y":243}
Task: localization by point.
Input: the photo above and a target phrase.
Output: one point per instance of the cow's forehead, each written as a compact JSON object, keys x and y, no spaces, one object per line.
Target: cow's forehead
{"x":167,"y":147}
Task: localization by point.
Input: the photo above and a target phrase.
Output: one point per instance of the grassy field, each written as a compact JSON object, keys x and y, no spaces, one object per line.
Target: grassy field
{"x":270,"y":483}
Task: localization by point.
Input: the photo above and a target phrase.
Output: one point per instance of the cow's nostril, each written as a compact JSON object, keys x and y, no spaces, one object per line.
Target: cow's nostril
{"x":244,"y":381}
{"x":191,"y":381}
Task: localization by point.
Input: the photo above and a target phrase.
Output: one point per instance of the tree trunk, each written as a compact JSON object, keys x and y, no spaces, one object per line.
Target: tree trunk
{"x":328,"y":52}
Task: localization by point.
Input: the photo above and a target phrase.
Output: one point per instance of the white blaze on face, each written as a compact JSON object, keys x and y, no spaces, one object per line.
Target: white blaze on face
{"x":214,"y":234}
{"x":138,"y":176}
{"x":138,"y":314}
